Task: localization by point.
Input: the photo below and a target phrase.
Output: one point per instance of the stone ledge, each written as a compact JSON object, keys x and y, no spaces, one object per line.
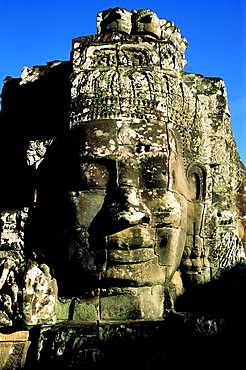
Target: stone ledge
{"x":144,"y":344}
{"x":19,"y":336}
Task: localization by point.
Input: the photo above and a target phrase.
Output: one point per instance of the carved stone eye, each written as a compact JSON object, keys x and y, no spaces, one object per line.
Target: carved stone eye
{"x":94,"y":175}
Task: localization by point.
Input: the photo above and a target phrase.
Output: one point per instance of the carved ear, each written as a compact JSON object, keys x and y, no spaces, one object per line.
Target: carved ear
{"x":196,"y":176}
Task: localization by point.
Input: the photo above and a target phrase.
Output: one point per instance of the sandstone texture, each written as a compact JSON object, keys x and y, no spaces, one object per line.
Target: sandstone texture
{"x":122,"y":202}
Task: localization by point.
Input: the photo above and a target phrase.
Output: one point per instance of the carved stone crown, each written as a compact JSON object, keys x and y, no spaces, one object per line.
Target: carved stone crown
{"x":126,"y":70}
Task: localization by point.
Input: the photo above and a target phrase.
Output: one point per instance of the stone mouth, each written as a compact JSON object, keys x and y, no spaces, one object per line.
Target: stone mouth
{"x":134,"y":238}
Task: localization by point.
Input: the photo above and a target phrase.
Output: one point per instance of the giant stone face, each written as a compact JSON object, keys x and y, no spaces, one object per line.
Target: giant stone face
{"x":130,"y":202}
{"x":125,"y":171}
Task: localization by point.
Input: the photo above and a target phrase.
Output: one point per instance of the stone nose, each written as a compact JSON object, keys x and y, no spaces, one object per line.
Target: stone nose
{"x":130,"y":208}
{"x":123,"y":208}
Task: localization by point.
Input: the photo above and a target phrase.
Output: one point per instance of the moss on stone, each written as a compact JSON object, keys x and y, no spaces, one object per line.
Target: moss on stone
{"x":120,"y":307}
{"x":74,"y":310}
{"x":85,"y":312}
{"x":62,"y":309}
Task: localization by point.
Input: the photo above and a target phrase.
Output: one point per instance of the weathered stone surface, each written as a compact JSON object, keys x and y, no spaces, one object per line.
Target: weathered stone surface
{"x":12,"y":229}
{"x":148,"y":23}
{"x":39,"y":295}
{"x":13,"y":350}
{"x":158,"y":130}
{"x":19,"y":336}
{"x":114,"y":20}
{"x":27,"y":292}
{"x":77,"y":309}
{"x":125,"y":186}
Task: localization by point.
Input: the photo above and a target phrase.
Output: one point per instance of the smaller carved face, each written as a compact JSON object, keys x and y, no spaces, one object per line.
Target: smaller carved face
{"x":114,"y":20}
{"x":147,"y":22}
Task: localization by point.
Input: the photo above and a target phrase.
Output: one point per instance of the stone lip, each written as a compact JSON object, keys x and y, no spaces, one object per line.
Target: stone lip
{"x":140,"y":255}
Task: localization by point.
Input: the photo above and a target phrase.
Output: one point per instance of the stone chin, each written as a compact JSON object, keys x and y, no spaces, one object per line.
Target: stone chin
{"x":147,"y":273}
{"x":140,"y":256}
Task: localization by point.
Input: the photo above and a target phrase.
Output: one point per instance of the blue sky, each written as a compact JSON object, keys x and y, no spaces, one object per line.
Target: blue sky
{"x":34,"y":32}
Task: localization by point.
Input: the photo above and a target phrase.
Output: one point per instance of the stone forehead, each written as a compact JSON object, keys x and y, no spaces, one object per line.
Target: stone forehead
{"x":124,"y":131}
{"x":119,"y":138}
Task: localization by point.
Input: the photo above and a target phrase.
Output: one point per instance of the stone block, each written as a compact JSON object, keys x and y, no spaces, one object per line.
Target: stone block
{"x":62,"y":309}
{"x":85,"y":311}
{"x":13,"y":350}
